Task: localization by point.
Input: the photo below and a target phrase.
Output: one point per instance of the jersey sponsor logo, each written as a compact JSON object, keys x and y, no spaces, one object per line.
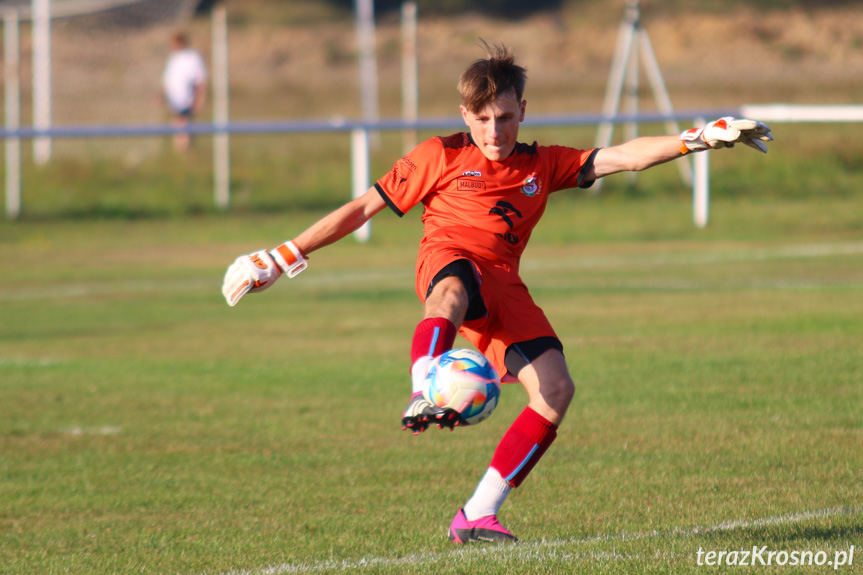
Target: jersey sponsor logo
{"x":532,"y":186}
{"x":472,"y":174}
{"x":506,"y":211}
{"x":396,"y":176}
{"x":409,"y":163}
{"x":470,"y":185}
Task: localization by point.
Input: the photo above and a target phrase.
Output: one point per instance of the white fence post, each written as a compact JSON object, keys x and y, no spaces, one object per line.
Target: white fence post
{"x":410,"y":75}
{"x":221,"y":140}
{"x":12,"y":97}
{"x":368,"y":63}
{"x":41,"y":16}
{"x":360,"y":174}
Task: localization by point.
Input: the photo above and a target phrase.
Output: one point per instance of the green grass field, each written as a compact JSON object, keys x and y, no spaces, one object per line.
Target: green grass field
{"x":149,"y":428}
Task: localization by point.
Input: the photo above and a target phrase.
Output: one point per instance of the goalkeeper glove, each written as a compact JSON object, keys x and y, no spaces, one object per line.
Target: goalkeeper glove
{"x":257,"y":271}
{"x":724,"y":133}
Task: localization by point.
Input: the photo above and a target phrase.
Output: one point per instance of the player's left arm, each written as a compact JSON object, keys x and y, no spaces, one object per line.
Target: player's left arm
{"x":648,"y":151}
{"x":634,"y":155}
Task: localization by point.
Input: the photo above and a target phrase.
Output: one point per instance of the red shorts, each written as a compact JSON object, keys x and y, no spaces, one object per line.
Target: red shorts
{"x":512,"y":314}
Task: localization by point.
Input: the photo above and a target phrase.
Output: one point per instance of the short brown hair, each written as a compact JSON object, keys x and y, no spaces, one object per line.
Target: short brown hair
{"x":180,"y":39}
{"x":488,"y":78}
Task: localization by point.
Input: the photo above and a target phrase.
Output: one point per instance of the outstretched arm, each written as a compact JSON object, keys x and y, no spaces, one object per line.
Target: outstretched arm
{"x":635,"y":155}
{"x":257,"y":271}
{"x":642,"y":153}
{"x":341,"y":222}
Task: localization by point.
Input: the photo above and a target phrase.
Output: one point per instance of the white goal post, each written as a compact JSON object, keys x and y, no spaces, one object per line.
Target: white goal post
{"x":782,"y":113}
{"x":793,"y":113}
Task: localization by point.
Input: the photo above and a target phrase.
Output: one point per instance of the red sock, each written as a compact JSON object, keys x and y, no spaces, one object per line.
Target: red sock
{"x":522,"y":446}
{"x":433,"y":336}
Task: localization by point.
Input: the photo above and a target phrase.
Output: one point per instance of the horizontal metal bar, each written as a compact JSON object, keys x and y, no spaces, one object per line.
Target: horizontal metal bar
{"x":798,"y":113}
{"x":333,"y":125}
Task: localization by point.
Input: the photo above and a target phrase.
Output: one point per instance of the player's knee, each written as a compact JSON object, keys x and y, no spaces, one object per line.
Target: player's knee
{"x":448,"y":299}
{"x":558,"y":392}
{"x":564,"y":391}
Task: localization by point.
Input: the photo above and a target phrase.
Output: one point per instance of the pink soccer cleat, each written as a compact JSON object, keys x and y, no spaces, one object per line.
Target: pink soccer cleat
{"x":483,"y":529}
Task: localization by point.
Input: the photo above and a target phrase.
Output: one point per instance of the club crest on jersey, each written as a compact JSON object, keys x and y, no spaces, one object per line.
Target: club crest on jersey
{"x":532,"y":186}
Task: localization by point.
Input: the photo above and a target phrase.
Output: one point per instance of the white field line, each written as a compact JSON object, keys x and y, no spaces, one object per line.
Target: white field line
{"x":698,"y":258}
{"x":76,"y":290}
{"x":104,"y":430}
{"x":29,"y":362}
{"x":349,"y":277}
{"x":544,"y":550}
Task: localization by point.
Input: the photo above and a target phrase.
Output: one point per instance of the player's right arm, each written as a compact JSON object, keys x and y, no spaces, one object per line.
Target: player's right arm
{"x":343,"y":221}
{"x":259,"y":270}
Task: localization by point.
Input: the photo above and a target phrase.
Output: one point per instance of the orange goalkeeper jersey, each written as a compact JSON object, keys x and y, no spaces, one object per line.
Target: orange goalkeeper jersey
{"x":472,"y":203}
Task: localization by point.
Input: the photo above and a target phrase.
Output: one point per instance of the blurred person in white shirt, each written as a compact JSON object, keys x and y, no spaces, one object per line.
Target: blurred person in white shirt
{"x":184,"y":82}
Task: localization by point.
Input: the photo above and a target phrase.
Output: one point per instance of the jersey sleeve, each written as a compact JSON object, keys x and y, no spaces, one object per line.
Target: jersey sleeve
{"x":412,"y":177}
{"x":200,"y":74}
{"x":569,"y":167}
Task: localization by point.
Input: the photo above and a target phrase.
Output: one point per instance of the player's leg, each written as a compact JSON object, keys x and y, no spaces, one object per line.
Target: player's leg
{"x":443,"y":312}
{"x":452,"y":295}
{"x":182,"y":139}
{"x":448,"y":299}
{"x":541,"y":368}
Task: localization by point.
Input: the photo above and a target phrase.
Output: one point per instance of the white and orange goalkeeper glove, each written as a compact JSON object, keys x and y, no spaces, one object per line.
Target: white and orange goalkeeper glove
{"x":257,"y":271}
{"x":724,"y":133}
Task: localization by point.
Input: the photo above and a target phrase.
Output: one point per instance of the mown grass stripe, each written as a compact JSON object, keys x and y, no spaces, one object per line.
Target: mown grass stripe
{"x":313,"y":280}
{"x":546,"y":549}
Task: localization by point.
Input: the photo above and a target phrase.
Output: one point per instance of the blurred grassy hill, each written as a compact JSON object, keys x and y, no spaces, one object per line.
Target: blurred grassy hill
{"x":297,"y":59}
{"x":712,"y":54}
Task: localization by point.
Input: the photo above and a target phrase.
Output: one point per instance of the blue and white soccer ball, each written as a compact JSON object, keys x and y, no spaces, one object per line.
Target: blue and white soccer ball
{"x":465,"y":381}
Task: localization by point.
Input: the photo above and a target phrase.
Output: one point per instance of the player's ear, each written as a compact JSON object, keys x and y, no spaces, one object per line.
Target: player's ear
{"x":464,"y":114}
{"x":522,"y":108}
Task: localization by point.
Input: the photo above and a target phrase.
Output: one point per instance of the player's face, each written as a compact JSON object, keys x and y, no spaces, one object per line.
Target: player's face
{"x":494,"y":129}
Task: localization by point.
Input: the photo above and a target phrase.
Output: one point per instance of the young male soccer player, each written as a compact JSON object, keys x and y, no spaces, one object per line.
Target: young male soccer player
{"x":483,"y":192}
